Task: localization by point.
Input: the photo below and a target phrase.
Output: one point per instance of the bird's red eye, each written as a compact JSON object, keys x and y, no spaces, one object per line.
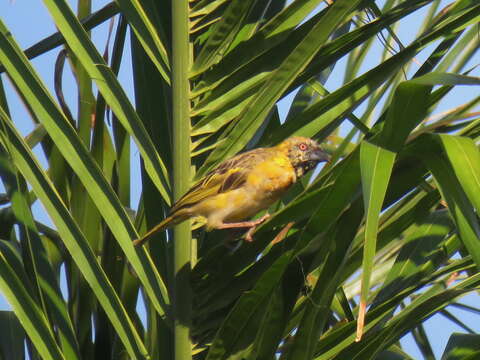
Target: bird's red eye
{"x":302,"y":147}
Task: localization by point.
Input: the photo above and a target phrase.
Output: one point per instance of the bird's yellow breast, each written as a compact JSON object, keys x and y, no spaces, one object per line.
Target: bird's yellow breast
{"x":271,"y":176}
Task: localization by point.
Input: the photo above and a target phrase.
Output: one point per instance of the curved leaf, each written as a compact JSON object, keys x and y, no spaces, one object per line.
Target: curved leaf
{"x":464,"y":158}
{"x":452,"y":191}
{"x":74,"y":151}
{"x":12,"y":345}
{"x":222,"y":35}
{"x":29,"y":314}
{"x":147,"y":34}
{"x":376,"y":165}
{"x":73,"y":238}
{"x":111,"y":90}
{"x":258,"y":108}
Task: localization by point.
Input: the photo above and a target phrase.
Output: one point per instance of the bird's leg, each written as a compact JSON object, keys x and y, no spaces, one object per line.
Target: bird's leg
{"x":245,"y":224}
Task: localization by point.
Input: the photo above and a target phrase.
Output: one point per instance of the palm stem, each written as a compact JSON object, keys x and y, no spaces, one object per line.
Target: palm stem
{"x":181,"y":176}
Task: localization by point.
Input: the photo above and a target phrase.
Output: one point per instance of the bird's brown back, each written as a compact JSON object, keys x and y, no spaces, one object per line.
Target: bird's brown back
{"x":228,"y":175}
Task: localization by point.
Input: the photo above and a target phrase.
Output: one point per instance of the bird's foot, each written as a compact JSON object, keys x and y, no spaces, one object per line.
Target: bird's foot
{"x":252,"y":225}
{"x":249,"y":234}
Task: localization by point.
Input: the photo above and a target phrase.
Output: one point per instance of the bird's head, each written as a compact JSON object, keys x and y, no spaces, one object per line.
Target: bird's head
{"x":304,"y":153}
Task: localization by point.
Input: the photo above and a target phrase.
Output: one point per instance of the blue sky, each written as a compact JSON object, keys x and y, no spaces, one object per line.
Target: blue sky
{"x":29,"y":22}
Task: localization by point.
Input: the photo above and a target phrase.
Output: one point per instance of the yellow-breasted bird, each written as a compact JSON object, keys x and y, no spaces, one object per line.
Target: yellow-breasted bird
{"x":242,"y":186}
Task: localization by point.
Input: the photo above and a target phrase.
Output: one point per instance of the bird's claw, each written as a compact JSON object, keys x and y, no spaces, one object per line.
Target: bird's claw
{"x":249,"y":234}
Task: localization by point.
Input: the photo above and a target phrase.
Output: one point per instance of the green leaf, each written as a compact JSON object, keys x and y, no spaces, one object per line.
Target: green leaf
{"x":27,"y":311}
{"x":51,"y":42}
{"x":148,"y":34}
{"x":411,"y":316}
{"x":277,"y":315}
{"x":77,"y":39}
{"x":408,"y":108}
{"x":271,"y":44}
{"x":12,"y":342}
{"x":332,"y":108}
{"x":74,"y":151}
{"x":222,"y":35}
{"x":72,"y":237}
{"x":437,"y":78}
{"x":464,"y":158}
{"x":394,"y":353}
{"x":38,"y":267}
{"x":462,"y":346}
{"x":376,"y":165}
{"x":341,"y":338}
{"x":258,"y":108}
{"x":276,"y":30}
{"x":317,"y":311}
{"x":421,"y":339}
{"x":148,"y":90}
{"x":234,"y":325}
{"x":452,"y":191}
{"x":422,"y":252}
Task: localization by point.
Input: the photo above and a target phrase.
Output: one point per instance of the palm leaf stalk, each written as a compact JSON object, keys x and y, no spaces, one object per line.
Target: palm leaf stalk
{"x":181,"y":177}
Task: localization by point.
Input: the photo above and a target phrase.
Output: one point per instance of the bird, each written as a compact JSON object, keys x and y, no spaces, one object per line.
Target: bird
{"x":240,"y":187}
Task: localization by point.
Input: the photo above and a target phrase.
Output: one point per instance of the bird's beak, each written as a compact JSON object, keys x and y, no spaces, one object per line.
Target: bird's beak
{"x":319,"y":155}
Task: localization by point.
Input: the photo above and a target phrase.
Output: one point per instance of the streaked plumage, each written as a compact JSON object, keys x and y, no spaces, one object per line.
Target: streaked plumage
{"x":244,"y":185}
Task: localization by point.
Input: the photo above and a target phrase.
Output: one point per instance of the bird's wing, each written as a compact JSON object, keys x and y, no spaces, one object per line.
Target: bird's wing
{"x":228,"y":175}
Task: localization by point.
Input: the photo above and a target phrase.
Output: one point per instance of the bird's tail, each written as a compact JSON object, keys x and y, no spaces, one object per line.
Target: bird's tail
{"x":169,"y":221}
